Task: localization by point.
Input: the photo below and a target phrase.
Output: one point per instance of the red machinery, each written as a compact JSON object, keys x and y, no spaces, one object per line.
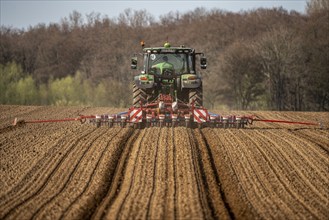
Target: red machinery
{"x":166,"y":112}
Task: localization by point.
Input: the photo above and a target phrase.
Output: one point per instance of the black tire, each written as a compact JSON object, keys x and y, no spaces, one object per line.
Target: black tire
{"x":183,"y":95}
{"x":196,"y":94}
{"x":142,"y":96}
{"x":139,"y":96}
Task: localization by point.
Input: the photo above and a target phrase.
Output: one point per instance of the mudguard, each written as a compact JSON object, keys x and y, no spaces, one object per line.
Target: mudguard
{"x":190,"y":81}
{"x":144,"y":81}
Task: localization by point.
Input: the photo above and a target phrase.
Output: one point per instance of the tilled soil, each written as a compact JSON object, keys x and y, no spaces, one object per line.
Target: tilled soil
{"x":70,"y":170}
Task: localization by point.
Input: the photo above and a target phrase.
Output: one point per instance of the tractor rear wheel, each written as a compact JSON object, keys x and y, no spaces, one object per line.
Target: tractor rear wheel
{"x":139,"y":96}
{"x":196,"y":95}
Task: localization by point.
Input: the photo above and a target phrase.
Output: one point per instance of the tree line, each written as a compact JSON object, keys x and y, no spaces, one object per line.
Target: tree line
{"x":266,"y":59}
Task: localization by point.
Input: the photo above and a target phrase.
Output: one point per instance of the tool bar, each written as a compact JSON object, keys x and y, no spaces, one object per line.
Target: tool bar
{"x":287,"y":122}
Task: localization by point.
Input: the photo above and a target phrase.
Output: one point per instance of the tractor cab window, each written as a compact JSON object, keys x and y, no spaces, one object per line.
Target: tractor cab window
{"x":176,"y":63}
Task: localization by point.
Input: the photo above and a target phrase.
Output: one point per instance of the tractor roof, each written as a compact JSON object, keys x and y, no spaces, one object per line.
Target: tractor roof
{"x":167,"y":49}
{"x":180,"y":49}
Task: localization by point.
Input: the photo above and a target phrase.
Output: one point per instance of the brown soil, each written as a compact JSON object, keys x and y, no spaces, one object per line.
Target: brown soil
{"x":70,"y":170}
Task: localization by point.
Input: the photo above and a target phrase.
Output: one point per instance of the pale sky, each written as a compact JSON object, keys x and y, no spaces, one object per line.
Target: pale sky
{"x":25,"y":13}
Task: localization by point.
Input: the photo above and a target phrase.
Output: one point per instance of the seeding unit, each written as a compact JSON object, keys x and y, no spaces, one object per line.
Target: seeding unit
{"x":165,"y":112}
{"x":169,"y":113}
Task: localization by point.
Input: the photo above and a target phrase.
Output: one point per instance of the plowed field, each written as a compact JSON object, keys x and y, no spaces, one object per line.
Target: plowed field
{"x":72,"y":171}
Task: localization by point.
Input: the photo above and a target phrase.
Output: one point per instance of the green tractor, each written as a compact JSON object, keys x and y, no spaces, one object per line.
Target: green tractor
{"x":168,"y":71}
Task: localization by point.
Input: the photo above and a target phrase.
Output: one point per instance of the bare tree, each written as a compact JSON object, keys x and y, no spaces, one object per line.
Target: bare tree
{"x":279,"y":50}
{"x":314,"y":6}
{"x":241,"y":69}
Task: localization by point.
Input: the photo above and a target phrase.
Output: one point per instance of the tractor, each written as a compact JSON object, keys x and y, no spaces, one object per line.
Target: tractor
{"x":169,"y":71}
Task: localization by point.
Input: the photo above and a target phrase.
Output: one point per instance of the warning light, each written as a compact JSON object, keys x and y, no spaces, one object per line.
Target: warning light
{"x":167,"y":45}
{"x":192,"y":77}
{"x":143,"y":78}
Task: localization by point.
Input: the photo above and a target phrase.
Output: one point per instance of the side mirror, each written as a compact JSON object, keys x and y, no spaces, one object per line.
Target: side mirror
{"x":134,"y":63}
{"x":203,"y":62}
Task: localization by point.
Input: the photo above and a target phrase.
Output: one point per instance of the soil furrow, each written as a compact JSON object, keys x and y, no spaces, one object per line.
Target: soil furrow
{"x":130,"y":154}
{"x":231,"y":181}
{"x":309,"y":166}
{"x":315,"y":137}
{"x":308,"y":150}
{"x":27,"y":207}
{"x":79,"y":180}
{"x":172,"y":173}
{"x":156,"y":208}
{"x":295,"y":183}
{"x":200,"y":177}
{"x":18,"y":163}
{"x":44,"y":148}
{"x":38,"y":176}
{"x":289,"y":175}
{"x":250,"y":179}
{"x":188,"y":196}
{"x":267,"y":176}
{"x":158,"y":193}
{"x":99,"y":182}
{"x":136,"y":201}
{"x":220,"y":208}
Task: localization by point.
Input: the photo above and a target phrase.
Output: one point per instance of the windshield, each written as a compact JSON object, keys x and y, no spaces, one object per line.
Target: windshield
{"x":181,"y":62}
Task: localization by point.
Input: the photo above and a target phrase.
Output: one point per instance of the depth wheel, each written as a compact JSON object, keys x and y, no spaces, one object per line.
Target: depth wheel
{"x":148,"y":124}
{"x":187,"y":124}
{"x":136,"y":125}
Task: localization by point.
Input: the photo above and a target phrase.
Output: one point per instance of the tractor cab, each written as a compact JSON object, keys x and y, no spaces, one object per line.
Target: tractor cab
{"x":181,"y":58}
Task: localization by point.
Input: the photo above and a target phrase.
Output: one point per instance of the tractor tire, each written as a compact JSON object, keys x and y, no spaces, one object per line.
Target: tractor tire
{"x":139,"y":96}
{"x":183,"y":95}
{"x":196,"y":94}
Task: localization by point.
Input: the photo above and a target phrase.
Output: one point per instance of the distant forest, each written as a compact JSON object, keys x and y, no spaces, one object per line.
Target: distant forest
{"x":264,"y":59}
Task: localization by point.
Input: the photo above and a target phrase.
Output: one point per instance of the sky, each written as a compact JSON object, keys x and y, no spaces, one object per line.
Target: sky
{"x":24,"y":13}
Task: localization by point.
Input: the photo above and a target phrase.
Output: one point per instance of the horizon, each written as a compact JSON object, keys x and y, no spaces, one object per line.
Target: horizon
{"x":24,"y":14}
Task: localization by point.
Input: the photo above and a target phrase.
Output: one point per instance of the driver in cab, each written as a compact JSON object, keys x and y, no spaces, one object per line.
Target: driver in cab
{"x":164,"y":66}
